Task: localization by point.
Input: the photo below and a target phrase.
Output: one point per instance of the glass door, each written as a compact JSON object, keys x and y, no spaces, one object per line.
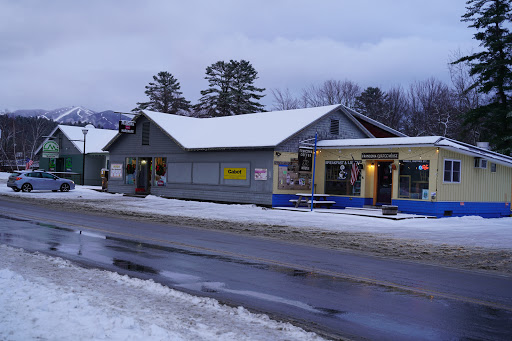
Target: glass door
{"x":144,"y":176}
{"x":384,"y":182}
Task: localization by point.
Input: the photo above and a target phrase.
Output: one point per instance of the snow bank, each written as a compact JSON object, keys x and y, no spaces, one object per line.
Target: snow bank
{"x":463,"y":231}
{"x":51,"y":299}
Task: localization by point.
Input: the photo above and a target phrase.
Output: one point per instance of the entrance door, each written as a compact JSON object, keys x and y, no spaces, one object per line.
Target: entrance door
{"x":144,"y":176}
{"x":384,"y":183}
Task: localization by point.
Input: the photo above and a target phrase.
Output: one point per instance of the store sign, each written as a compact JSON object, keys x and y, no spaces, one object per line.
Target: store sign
{"x":127,"y":127}
{"x":50,"y":149}
{"x":379,"y":156}
{"x":235,"y":173}
{"x":305,"y":159}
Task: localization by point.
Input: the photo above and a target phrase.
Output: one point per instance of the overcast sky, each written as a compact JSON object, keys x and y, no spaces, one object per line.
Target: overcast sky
{"x":101,"y":54}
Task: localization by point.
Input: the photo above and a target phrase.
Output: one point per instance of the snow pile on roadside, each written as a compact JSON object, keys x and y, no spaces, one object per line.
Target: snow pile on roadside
{"x":464,"y":231}
{"x":49,"y":298}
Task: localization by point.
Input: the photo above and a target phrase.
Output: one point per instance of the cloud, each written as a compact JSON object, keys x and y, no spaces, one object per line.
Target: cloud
{"x":101,"y":54}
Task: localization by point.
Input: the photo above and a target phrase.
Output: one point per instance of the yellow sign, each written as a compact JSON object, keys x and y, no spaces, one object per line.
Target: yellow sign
{"x":235,"y":173}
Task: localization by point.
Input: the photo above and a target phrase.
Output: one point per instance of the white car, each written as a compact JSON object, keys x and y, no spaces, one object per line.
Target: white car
{"x":27,"y":181}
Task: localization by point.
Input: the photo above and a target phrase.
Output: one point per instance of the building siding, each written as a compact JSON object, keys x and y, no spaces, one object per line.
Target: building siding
{"x":477,"y":185}
{"x":348,"y":130}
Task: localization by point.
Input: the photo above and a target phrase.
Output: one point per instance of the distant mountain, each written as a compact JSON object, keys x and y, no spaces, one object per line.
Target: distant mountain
{"x":70,"y":115}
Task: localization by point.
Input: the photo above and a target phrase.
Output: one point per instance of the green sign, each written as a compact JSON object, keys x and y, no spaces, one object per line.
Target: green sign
{"x":51,"y":164}
{"x":51,"y":149}
{"x":68,"y":162}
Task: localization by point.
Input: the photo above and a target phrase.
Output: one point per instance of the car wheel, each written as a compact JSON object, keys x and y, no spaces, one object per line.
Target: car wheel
{"x":64,"y":188}
{"x":15,"y":189}
{"x":26,"y":187}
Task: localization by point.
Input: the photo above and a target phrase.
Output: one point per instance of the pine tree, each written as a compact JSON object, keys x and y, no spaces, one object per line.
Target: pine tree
{"x":231,"y":90}
{"x":164,"y":95}
{"x":372,"y":103}
{"x":493,"y":70}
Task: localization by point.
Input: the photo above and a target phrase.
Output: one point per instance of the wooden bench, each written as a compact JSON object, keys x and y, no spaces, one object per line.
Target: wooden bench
{"x":320,"y":203}
{"x":295,"y":201}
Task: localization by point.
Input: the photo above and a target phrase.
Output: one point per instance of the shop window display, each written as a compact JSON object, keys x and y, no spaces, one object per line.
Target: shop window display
{"x":290,"y":178}
{"x":131,"y":170}
{"x":337,"y":178}
{"x":160,"y":171}
{"x":414,"y":177}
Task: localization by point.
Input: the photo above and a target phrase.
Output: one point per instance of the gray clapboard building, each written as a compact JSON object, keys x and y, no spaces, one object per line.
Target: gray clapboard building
{"x":249,"y":158}
{"x":68,"y":157}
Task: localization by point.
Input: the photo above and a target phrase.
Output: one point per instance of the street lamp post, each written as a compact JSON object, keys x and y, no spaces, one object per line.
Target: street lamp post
{"x":84,"y":131}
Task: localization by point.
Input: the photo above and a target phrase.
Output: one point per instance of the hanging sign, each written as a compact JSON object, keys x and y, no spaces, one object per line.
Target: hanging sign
{"x":305,"y":159}
{"x":51,"y":149}
{"x":379,"y":156}
{"x":127,"y":127}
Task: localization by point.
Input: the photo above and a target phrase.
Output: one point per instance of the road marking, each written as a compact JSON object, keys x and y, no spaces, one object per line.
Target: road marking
{"x":431,"y":294}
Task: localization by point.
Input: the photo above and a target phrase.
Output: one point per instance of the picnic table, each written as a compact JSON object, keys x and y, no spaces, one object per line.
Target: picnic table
{"x":304,"y":199}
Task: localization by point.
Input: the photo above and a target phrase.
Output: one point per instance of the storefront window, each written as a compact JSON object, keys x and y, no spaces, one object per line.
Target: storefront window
{"x":291,"y":179}
{"x":413,"y":183}
{"x":131,"y":168}
{"x":337,"y":178}
{"x":160,"y":171}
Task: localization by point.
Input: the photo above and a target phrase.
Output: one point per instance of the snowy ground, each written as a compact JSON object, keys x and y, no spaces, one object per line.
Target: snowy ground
{"x":461,"y":231}
{"x":48,"y":298}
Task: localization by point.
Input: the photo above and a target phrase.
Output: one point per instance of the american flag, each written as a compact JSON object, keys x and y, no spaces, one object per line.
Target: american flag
{"x":28,"y":164}
{"x":354,"y":173}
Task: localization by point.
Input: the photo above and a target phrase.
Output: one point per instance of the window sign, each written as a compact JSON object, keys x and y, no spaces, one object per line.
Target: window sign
{"x":290,"y":178}
{"x":337,"y":178}
{"x":131,"y":170}
{"x":160,"y":171}
{"x":116,"y":171}
{"x":260,"y":174}
{"x":68,"y":163}
{"x":413,"y":179}
{"x":51,"y":164}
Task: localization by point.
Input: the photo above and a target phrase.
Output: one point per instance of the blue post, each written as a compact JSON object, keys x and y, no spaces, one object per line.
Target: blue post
{"x":313,"y":180}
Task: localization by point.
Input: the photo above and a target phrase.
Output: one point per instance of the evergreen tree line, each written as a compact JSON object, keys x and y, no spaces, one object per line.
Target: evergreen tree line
{"x":231,"y":91}
{"x":477,"y":106}
{"x":20,"y":138}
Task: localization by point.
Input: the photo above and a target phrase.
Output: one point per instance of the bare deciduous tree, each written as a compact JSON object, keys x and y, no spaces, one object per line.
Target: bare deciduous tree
{"x":331,"y":92}
{"x":284,"y":100}
{"x":432,"y":110}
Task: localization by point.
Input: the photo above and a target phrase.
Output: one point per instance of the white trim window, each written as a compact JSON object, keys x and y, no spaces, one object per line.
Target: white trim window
{"x":452,"y":171}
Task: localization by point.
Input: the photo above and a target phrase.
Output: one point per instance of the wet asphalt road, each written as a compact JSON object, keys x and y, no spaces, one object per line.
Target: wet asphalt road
{"x":340,"y":294}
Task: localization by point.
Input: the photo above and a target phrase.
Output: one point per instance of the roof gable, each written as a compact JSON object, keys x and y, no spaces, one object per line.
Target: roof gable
{"x":258,"y":130}
{"x":95,"y":140}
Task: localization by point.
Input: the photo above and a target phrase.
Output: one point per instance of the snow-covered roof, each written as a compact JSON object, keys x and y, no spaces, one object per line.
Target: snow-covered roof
{"x":418,"y":141}
{"x":95,"y":139}
{"x":265,"y":129}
